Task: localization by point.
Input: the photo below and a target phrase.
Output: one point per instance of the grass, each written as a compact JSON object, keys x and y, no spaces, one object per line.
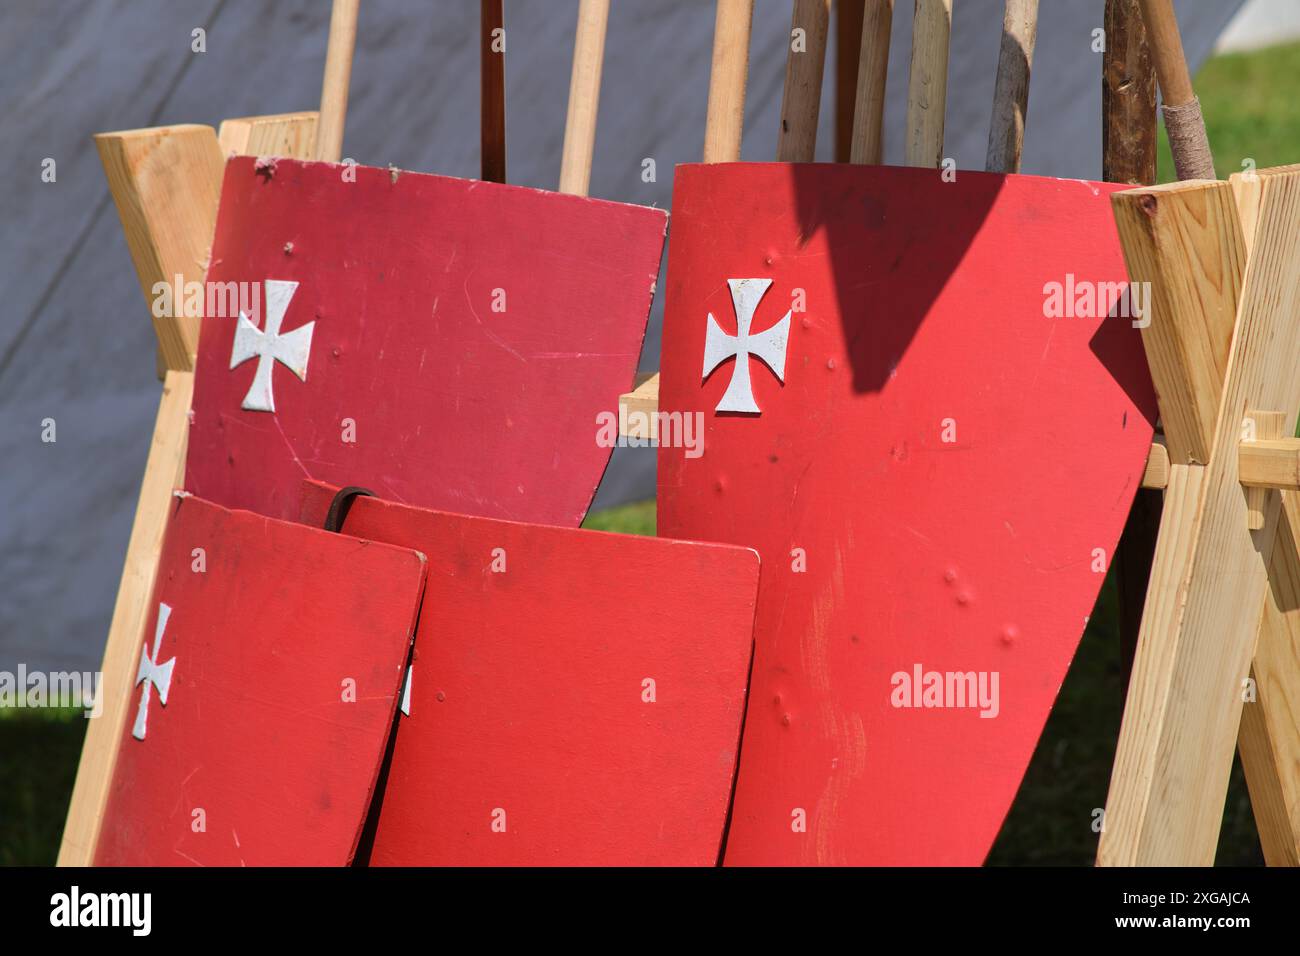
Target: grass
{"x":1251,"y":111}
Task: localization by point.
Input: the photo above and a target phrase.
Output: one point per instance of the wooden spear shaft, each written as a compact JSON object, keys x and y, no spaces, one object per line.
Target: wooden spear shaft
{"x":873,"y":68}
{"x":1181,"y":109}
{"x":584,"y":97}
{"x":492,"y":92}
{"x":334,"y":87}
{"x":1011,"y":91}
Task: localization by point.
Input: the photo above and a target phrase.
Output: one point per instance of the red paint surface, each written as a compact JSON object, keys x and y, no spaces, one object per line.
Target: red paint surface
{"x":527,"y":690}
{"x":255,"y":731}
{"x":455,"y":405}
{"x":924,"y":303}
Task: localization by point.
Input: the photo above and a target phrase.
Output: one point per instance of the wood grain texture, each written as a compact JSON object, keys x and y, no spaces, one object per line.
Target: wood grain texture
{"x":166,"y":183}
{"x":338,"y":76}
{"x":1128,"y":98}
{"x":474,"y":361}
{"x":986,"y":571}
{"x":873,"y":68}
{"x":848,"y":38}
{"x":1156,"y":474}
{"x":584,"y":97}
{"x":163,"y":473}
{"x":1011,"y":91}
{"x":725,"y":120}
{"x":1176,"y":745}
{"x":637,"y":410}
{"x":286,"y":134}
{"x":1266,"y":464}
{"x":260,"y":729}
{"x":1167,"y":51}
{"x":529,"y":694}
{"x":1269,"y":739}
{"x":492,"y":93}
{"x":805,"y":66}
{"x":927,"y":83}
{"x":1185,"y":240}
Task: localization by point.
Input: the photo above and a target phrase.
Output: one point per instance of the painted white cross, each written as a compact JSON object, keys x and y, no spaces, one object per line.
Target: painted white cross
{"x":153,"y":674}
{"x":291,"y":349}
{"x":768,"y":346}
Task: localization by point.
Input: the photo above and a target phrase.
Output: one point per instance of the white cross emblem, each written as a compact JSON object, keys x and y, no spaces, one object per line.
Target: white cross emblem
{"x":291,"y":349}
{"x":153,"y":674}
{"x":768,"y":346}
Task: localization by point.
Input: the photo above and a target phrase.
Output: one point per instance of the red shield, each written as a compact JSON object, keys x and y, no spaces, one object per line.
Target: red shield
{"x":575,"y":698}
{"x":444,"y":342}
{"x":266,"y":693}
{"x":934,"y":453}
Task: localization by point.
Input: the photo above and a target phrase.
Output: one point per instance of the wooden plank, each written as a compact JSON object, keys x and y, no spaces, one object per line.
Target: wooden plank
{"x":266,"y":708}
{"x":873,"y":70}
{"x":1269,"y":739}
{"x":1265,"y":460}
{"x":805,"y":64}
{"x":1011,"y":92}
{"x":1157,"y":470}
{"x":637,"y":410}
{"x":1176,"y":745}
{"x":725,"y":121}
{"x":166,"y":183}
{"x":163,"y":472}
{"x":492,"y":91}
{"x":584,"y":97}
{"x":286,"y":134}
{"x":1185,"y":239}
{"x":927,"y":83}
{"x":334,"y":85}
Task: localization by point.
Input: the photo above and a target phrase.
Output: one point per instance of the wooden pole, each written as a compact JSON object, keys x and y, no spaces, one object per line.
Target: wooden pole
{"x":1128,"y":98}
{"x":584,"y":97}
{"x":1011,"y":91}
{"x":723,"y":129}
{"x":848,"y":52}
{"x":727,"y":77}
{"x":805,"y":64}
{"x":873,"y":69}
{"x":334,"y":87}
{"x":492,"y":91}
{"x":1181,"y":109}
{"x":1128,"y":155}
{"x":927,"y":83}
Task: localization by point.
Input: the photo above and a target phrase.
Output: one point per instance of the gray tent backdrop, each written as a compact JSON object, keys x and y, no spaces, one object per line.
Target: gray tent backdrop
{"x":76,"y":343}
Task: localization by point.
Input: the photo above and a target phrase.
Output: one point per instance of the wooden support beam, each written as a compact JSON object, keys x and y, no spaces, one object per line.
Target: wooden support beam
{"x":1185,"y":239}
{"x":1211,"y":577}
{"x":849,"y":15}
{"x":1157,"y":470}
{"x":166,"y":183}
{"x":163,"y":472}
{"x":283,"y":134}
{"x":1269,"y":739}
{"x":1270,"y":462}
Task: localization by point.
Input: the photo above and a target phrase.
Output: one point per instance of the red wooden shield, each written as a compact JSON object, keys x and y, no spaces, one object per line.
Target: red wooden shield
{"x":445,"y":342}
{"x":575,"y":698}
{"x":935,"y":487}
{"x":265,"y":697}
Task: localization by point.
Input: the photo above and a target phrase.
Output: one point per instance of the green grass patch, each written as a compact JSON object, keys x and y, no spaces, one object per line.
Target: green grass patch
{"x":39,"y":749}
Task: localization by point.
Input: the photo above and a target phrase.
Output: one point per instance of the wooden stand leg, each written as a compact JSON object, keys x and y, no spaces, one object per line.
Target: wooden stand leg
{"x":1211,"y":575}
{"x":163,"y":472}
{"x":166,"y":183}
